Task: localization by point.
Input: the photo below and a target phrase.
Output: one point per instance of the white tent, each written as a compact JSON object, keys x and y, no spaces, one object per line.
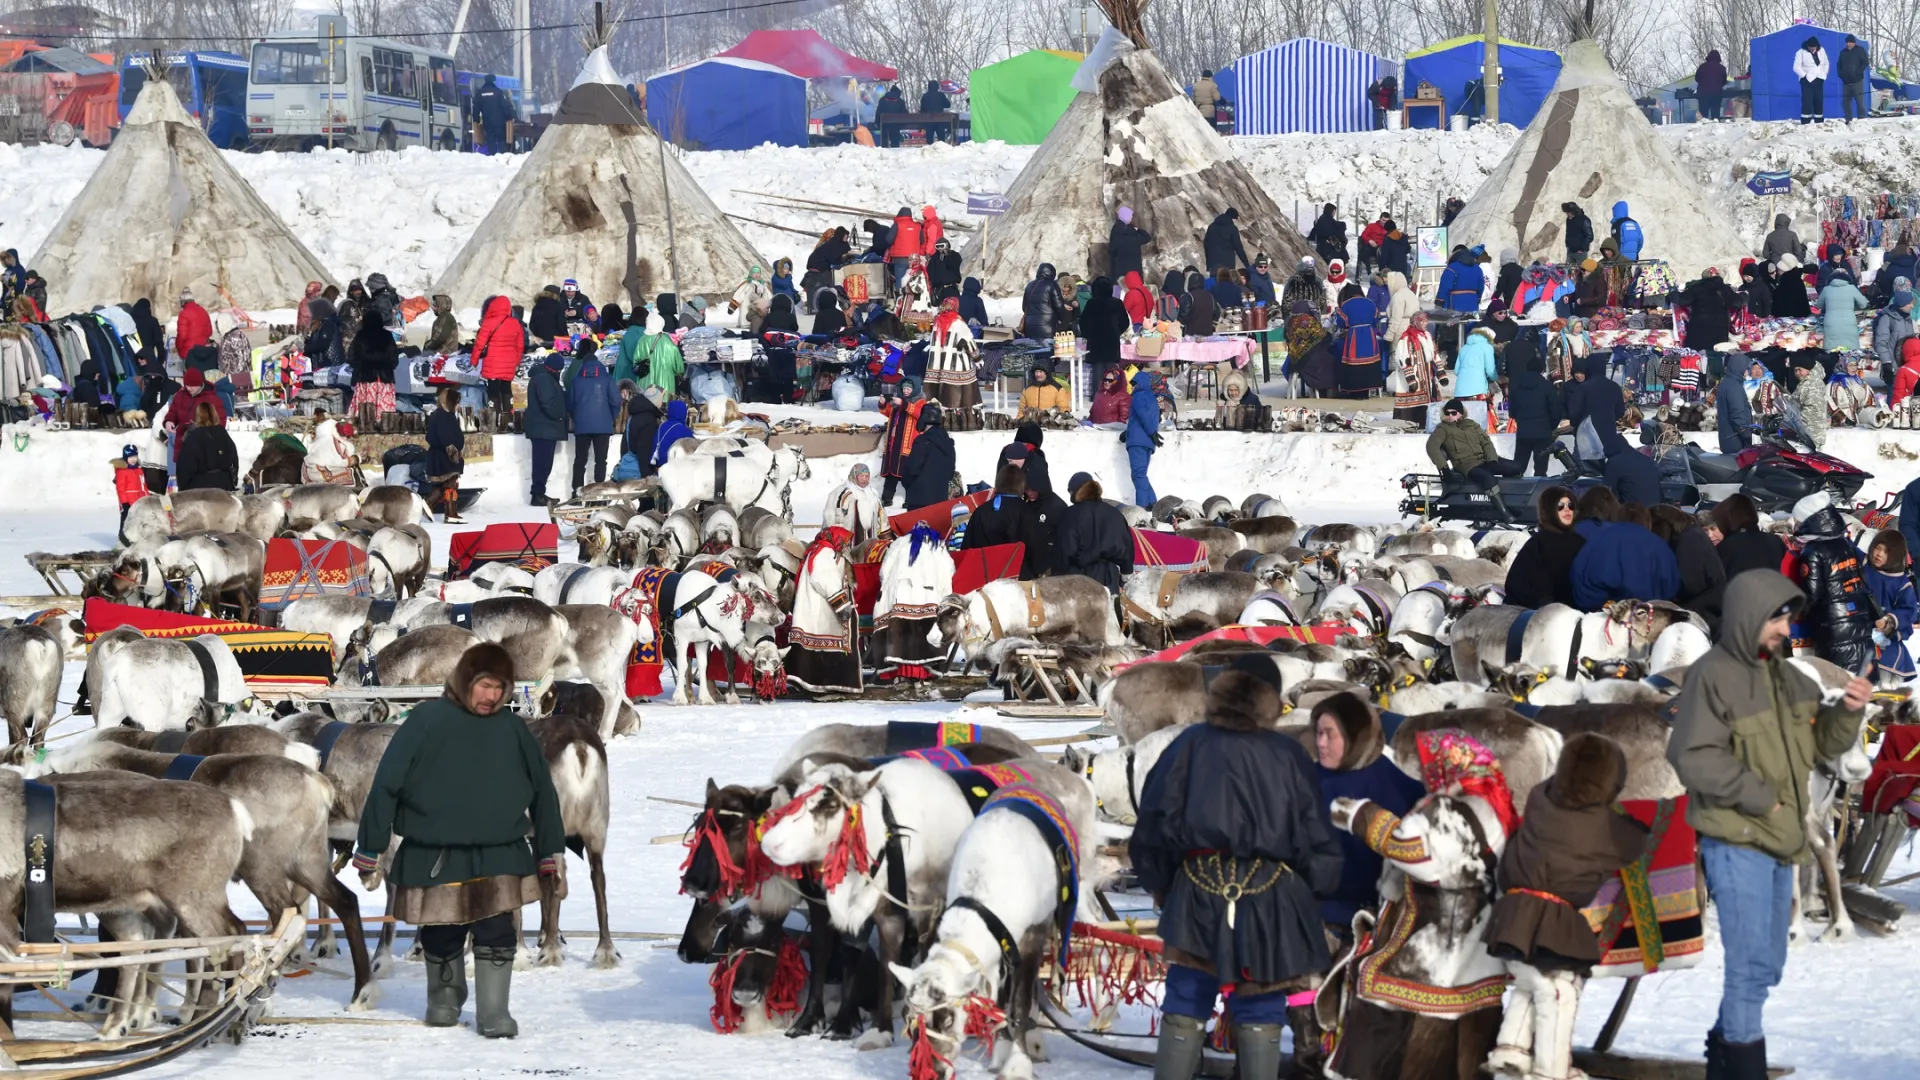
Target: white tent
{"x":166,"y":212}
{"x":1130,"y":138}
{"x":601,"y":200}
{"x":1589,"y":144}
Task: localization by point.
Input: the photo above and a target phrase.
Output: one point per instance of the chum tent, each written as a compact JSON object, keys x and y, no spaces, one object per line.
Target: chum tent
{"x":1019,"y":99}
{"x":808,"y":55}
{"x":166,"y":212}
{"x":726,"y":103}
{"x":1776,"y":89}
{"x":598,"y":199}
{"x":1302,"y":85}
{"x":1591,"y":145}
{"x":1527,"y":73}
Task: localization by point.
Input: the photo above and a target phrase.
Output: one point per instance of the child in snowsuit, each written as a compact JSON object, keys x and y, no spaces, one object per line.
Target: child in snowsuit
{"x":1893,"y":591}
{"x":1570,"y":842}
{"x":129,"y":480}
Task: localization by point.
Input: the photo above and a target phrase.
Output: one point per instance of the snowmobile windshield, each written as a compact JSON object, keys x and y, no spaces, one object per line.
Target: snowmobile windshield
{"x":1791,"y":425}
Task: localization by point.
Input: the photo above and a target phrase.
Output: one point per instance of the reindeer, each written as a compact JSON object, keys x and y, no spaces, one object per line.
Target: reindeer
{"x":393,"y":505}
{"x":136,"y":852}
{"x":1069,"y":608}
{"x":398,"y":557}
{"x":1005,"y":864}
{"x":569,"y":737}
{"x":169,"y":684}
{"x":288,"y":803}
{"x":31,"y":663}
{"x":155,"y":518}
{"x":1119,"y":776}
{"x":310,"y":504}
{"x":753,"y":478}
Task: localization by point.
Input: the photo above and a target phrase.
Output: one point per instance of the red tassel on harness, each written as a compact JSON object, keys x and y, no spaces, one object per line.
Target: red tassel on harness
{"x":725,"y":1014}
{"x":849,"y":847}
{"x":923,"y":1061}
{"x":789,"y":978}
{"x":732,"y":877}
{"x":984,"y":1020}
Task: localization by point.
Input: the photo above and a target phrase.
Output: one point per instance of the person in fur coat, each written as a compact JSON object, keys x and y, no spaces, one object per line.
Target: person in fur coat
{"x":1569,"y":844}
{"x":916,"y":574}
{"x":1234,"y":844}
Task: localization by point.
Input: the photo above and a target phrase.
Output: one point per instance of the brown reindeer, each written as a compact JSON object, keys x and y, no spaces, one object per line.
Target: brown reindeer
{"x":569,"y":736}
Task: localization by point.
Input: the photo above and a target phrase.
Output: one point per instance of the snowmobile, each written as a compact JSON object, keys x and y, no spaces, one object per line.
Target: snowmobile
{"x":1777,"y":473}
{"x":1438,"y":498}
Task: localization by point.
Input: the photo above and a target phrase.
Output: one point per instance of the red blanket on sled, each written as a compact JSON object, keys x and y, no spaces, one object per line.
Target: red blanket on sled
{"x":534,"y":545}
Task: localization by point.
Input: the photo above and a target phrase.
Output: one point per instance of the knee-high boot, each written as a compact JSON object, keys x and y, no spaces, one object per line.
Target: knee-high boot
{"x":1513,"y":1055}
{"x":493,"y":980}
{"x":1555,"y":1005}
{"x":1308,"y":1061}
{"x":1182,"y":1042}
{"x":1256,"y":1051}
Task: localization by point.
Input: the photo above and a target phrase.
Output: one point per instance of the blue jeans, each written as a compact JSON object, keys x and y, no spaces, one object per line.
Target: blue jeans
{"x":1191,"y":992}
{"x":1137,"y":458}
{"x":899,"y":268}
{"x":1754,"y":894}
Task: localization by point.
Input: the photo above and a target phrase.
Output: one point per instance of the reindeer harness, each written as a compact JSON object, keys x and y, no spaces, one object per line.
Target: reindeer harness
{"x":1036,"y":611}
{"x":36,"y":925}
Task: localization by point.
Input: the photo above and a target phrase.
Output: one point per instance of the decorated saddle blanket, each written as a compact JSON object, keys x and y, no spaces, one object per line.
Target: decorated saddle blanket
{"x":1062,"y":839}
{"x":1661,"y":892}
{"x":643,"y":600}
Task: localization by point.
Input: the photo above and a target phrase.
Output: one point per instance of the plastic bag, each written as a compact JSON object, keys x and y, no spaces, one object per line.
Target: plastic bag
{"x":849,"y":393}
{"x":1586,"y":442}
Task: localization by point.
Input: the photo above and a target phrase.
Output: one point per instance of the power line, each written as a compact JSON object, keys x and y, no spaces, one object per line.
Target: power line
{"x":174,"y":39}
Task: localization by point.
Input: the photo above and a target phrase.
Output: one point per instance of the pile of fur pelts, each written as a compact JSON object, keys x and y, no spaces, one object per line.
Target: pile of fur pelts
{"x":1307,"y":419}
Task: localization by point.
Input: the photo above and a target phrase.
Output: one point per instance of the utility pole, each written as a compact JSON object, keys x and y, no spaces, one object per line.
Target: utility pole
{"x":1490,"y":74}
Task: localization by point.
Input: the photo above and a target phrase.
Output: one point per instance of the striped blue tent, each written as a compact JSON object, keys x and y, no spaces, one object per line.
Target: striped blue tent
{"x":1303,"y":85}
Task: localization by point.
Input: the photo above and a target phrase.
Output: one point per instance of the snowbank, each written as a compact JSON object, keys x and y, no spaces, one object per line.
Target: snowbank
{"x":406,"y":213}
{"x":1321,"y":477}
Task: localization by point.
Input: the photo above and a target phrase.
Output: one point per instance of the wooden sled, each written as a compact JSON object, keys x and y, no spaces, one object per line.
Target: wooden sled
{"x":241,"y":1002}
{"x":83,"y":565}
{"x":1038,"y":694}
{"x":581,"y":508}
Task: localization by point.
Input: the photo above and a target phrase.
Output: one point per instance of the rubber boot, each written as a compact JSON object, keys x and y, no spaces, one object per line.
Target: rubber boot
{"x":1745,"y":1061}
{"x":1256,"y":1051}
{"x":1716,"y":1056}
{"x":1182,"y":1042}
{"x":492,"y":979}
{"x":1308,"y":1061}
{"x":446,"y":990}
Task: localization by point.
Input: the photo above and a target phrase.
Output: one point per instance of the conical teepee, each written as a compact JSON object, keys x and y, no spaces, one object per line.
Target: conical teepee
{"x":590,"y":203}
{"x":1589,"y":144}
{"x":1136,"y":141}
{"x":165,"y":212}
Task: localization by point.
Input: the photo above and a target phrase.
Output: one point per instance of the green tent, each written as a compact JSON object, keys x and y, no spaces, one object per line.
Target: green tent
{"x":1018,"y":99}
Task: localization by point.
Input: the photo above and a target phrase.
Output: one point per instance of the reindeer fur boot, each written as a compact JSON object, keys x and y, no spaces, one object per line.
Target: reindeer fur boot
{"x":446,"y":989}
{"x":1182,"y":1042}
{"x":1556,"y":1002}
{"x":1308,"y":1061}
{"x":492,"y":980}
{"x":1513,"y":1055}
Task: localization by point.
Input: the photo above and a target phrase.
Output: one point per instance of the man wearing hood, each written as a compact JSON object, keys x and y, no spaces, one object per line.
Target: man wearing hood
{"x":671,"y":430}
{"x":1126,"y":245}
{"x":1733,"y":413}
{"x":192,"y":329}
{"x":1222,"y":245}
{"x":1892,"y":326}
{"x":1461,"y":282}
{"x":1709,"y":84}
{"x":973,"y":306}
{"x":1593,"y":396}
{"x":1748,"y":730}
{"x":1142,"y":436}
{"x":1627,"y":232}
{"x":1810,"y":67}
{"x":1579,"y":232}
{"x":13,"y":277}
{"x":546,"y":320}
{"x":1710,"y":304}
{"x":1044,"y":312}
{"x":929,"y":467}
{"x":827,"y":318}
{"x":544,"y":423}
{"x":1782,"y":241}
{"x":498,"y":349}
{"x":1092,"y":538}
{"x":1624,"y":560}
{"x":383,"y":300}
{"x":445,"y":335}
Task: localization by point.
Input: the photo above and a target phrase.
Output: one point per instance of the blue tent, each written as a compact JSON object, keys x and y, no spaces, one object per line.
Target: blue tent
{"x":1302,"y":85}
{"x":1776,"y":89}
{"x":728,"y":104}
{"x":1527,"y":75}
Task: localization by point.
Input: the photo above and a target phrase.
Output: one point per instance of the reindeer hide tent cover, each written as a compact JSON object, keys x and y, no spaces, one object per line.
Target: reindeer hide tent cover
{"x":1590,"y":144}
{"x":166,"y":212}
{"x":587,"y":204}
{"x":1134,"y":140}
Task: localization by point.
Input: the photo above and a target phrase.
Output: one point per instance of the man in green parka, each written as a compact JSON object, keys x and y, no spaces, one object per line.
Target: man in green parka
{"x":1748,"y":730}
{"x":463,"y":783}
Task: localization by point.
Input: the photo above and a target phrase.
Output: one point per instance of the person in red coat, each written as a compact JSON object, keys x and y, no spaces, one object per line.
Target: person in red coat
{"x":193,"y":329}
{"x":193,"y":391}
{"x":1905,"y":380}
{"x":1139,"y":301}
{"x":909,"y":242}
{"x":498,"y":349}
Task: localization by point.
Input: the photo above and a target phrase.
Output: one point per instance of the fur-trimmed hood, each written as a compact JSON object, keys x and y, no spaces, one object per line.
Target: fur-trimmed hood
{"x":486,"y":658}
{"x":1592,"y":772}
{"x":1359,"y":725}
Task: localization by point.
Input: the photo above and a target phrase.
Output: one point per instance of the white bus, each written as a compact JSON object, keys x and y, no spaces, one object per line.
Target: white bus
{"x":334,"y":89}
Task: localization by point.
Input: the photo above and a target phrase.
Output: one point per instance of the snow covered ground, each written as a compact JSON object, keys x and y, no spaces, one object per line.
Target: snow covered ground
{"x":407,"y":213}
{"x":648,"y":1018}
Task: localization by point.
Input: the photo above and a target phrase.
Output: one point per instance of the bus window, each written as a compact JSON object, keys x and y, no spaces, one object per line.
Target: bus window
{"x":295,"y":63}
{"x":390,"y":73}
{"x":444,"y":91}
{"x":223,"y":88}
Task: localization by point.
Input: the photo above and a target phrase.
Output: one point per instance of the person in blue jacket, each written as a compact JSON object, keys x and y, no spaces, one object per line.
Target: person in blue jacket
{"x":1624,"y":560}
{"x":1910,"y":515}
{"x":1142,"y":436}
{"x":1593,"y":396}
{"x":128,"y":393}
{"x":672,"y":430}
{"x":1461,"y":282}
{"x":1627,"y":232}
{"x":1893,"y":591}
{"x":593,"y":401}
{"x":1476,"y":367}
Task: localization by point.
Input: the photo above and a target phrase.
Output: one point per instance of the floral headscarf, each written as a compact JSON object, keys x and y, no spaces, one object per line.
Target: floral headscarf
{"x":1451,"y":759}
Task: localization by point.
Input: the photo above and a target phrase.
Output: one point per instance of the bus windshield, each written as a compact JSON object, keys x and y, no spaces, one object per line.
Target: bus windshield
{"x":133,"y":77}
{"x":292,"y":63}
